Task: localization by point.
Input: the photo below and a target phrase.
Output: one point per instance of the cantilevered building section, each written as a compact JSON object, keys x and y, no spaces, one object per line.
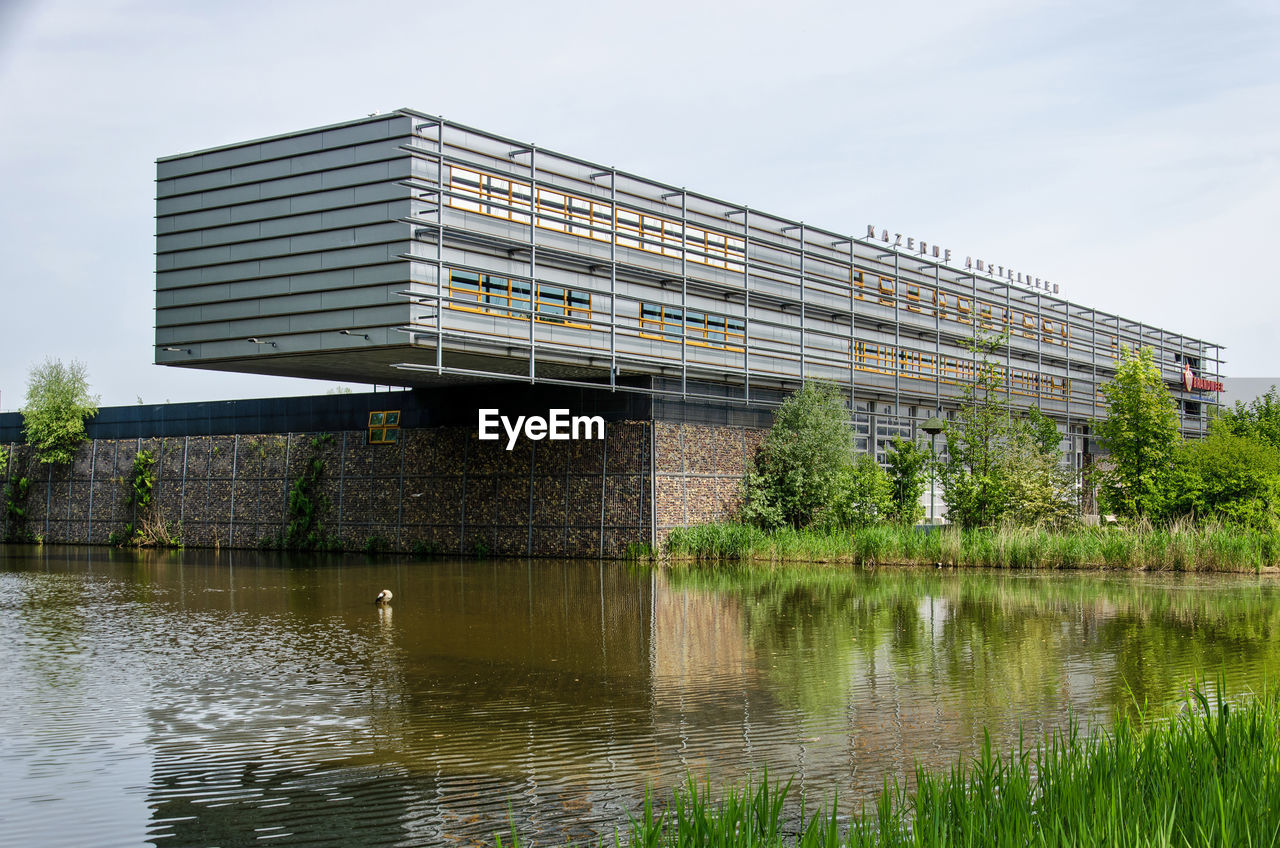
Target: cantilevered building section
{"x":406,"y":249}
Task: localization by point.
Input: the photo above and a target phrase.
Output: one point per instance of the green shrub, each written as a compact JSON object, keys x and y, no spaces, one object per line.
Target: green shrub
{"x":307,"y":506}
{"x":15,"y":509}
{"x":147,"y":526}
{"x":425,"y":548}
{"x":796,"y":472}
{"x":909,"y":466}
{"x":862,"y":494}
{"x":57,"y":404}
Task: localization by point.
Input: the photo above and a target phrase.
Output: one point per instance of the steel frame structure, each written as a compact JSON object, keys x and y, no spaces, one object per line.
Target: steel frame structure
{"x":804,"y":294}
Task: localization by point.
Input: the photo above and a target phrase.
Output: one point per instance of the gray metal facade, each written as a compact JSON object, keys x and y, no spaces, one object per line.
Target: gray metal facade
{"x":406,"y":249}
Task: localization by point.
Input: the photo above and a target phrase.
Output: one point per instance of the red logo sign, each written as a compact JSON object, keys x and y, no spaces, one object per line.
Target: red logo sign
{"x":1192,"y":383}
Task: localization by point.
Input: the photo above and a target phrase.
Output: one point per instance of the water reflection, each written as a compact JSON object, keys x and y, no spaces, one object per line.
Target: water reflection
{"x":198,"y":698}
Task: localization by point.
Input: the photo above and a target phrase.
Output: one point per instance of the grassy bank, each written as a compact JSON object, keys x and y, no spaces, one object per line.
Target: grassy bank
{"x":1210,"y":776}
{"x":1187,"y":548}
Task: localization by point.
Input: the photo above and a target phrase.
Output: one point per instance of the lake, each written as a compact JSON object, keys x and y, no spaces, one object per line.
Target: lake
{"x":232,"y":698}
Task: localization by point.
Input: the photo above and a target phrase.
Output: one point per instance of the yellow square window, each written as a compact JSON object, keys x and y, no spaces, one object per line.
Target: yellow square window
{"x":384,"y":427}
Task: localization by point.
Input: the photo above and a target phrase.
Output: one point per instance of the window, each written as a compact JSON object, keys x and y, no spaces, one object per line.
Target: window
{"x":559,"y":305}
{"x":649,"y":233}
{"x":1028,"y":324}
{"x":384,"y":427}
{"x":512,"y":200}
{"x":499,"y":197}
{"x":490,"y":293}
{"x":716,"y":249}
{"x":873,"y":357}
{"x":577,"y":216}
{"x":700,"y":328}
{"x":503,"y":296}
{"x":912,"y":362}
{"x":913,"y":297}
{"x":886,"y":291}
{"x":990,"y":315}
{"x":957,"y":371}
{"x":941,"y":303}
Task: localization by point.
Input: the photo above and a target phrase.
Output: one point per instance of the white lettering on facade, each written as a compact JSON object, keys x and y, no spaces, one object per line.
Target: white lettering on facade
{"x":990,"y":268}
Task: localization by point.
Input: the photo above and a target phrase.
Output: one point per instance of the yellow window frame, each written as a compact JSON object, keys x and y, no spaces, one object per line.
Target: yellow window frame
{"x":485,"y":194}
{"x":500,"y":196}
{"x":384,"y":427}
{"x":668,"y":323}
{"x":887,"y":291}
{"x":860,"y":282}
{"x":912,"y":296}
{"x":508,"y":302}
{"x":875,"y":358}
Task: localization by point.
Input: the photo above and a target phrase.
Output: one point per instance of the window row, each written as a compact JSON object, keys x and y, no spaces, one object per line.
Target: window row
{"x":497,"y":295}
{"x":958,"y":308}
{"x":511,"y":200}
{"x":878,"y":358}
{"x":500,"y":197}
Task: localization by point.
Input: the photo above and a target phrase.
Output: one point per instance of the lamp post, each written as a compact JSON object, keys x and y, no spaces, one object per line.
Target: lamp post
{"x":933,"y":427}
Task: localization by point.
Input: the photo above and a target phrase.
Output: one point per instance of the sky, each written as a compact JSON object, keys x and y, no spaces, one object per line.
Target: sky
{"x":1128,"y":151}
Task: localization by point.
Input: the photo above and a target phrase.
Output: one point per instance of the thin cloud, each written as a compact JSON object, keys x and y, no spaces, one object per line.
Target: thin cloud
{"x":1126,"y":151}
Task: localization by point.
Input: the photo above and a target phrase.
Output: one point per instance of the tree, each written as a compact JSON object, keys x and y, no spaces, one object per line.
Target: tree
{"x":908,"y":463}
{"x":1000,"y":468}
{"x":1037,"y":487}
{"x":1141,"y":434}
{"x":1227,"y":477}
{"x":863,"y":496}
{"x":973,"y":488}
{"x":799,"y":465}
{"x":58,"y":402}
{"x":1259,"y":417}
{"x":1044,"y":431}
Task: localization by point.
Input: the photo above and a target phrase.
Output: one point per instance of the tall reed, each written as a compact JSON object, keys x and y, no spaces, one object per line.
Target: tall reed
{"x":1210,"y":776}
{"x":1181,"y":547}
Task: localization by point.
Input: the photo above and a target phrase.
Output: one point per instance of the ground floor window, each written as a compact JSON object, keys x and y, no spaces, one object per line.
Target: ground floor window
{"x":384,"y":427}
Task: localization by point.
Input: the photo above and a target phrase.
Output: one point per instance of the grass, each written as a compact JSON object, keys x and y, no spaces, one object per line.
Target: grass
{"x":1210,"y":776}
{"x":1177,"y":548}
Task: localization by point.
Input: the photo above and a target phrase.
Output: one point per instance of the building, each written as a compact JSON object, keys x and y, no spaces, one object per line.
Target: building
{"x":405,"y":249}
{"x":409,"y":250}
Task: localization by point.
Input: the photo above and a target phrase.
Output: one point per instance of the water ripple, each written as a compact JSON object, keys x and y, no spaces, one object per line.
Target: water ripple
{"x":200,"y":699}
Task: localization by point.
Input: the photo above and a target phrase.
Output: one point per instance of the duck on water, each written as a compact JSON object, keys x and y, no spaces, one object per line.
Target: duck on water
{"x":384,"y":597}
